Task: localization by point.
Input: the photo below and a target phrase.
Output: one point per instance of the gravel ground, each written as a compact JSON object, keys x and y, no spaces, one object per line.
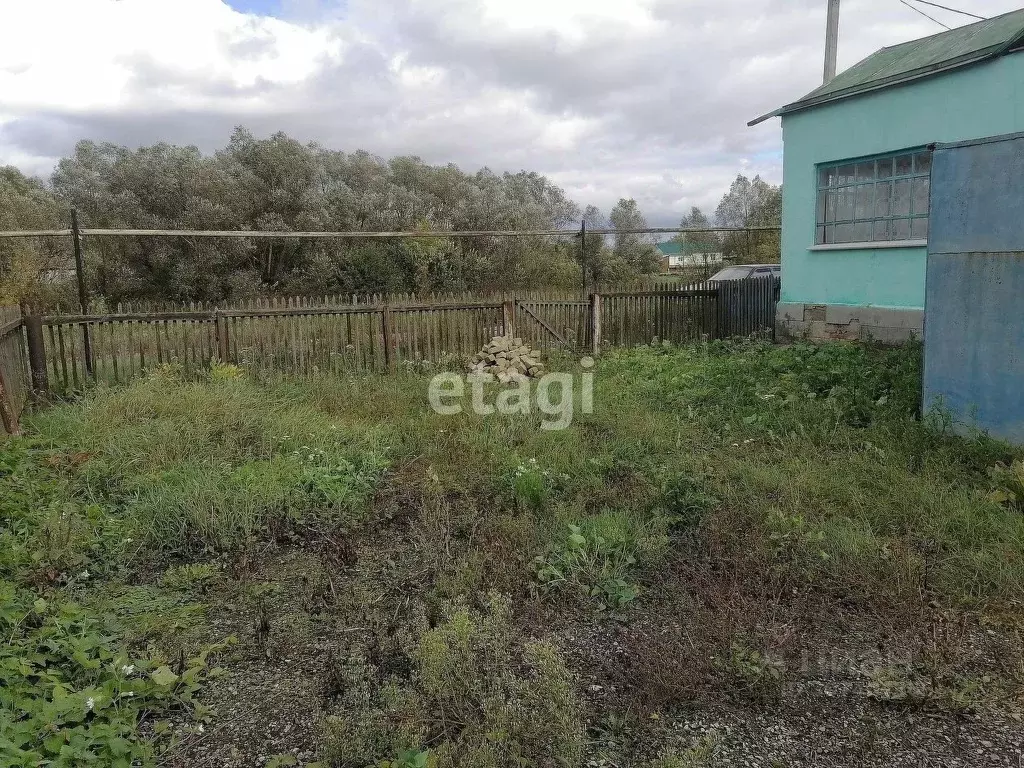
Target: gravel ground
{"x":827,"y":713}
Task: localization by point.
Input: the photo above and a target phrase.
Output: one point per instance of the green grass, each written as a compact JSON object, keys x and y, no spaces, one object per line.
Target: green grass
{"x":773,"y":470}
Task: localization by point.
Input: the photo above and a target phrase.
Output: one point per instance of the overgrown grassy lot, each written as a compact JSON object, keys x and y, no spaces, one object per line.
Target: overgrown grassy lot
{"x":746,"y":554}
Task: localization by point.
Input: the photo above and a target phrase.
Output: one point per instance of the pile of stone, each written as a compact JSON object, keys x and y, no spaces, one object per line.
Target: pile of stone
{"x":508,"y":359}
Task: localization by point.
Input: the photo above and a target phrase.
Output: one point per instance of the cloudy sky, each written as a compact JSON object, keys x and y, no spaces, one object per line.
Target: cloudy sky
{"x":610,"y":98}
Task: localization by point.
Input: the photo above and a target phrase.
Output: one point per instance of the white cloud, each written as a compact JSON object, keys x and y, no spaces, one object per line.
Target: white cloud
{"x":91,"y":54}
{"x":568,"y":21}
{"x":611,"y":98}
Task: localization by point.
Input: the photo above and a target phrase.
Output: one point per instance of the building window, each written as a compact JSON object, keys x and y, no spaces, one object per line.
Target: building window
{"x":879,"y":200}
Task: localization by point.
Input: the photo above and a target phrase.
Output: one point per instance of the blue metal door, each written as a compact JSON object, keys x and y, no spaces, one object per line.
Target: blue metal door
{"x":974,"y":302}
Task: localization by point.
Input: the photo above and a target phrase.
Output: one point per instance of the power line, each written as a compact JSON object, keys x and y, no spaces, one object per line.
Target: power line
{"x":918,"y":10}
{"x":413,"y":235}
{"x":952,"y":10}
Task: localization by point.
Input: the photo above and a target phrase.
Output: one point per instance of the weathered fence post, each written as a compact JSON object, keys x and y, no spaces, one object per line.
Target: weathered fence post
{"x":595,"y":323}
{"x":83,"y":297}
{"x":508,"y":317}
{"x":8,"y":416}
{"x":388,"y":334}
{"x":220,"y":324}
{"x":36,"y":350}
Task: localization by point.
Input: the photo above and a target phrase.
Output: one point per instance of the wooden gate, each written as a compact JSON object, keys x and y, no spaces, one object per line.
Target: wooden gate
{"x":553,"y":324}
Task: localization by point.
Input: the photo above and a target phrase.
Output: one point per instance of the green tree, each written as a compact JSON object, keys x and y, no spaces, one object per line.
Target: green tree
{"x":750,"y":203}
{"x":636,"y":251}
{"x":31,"y":269}
{"x":280,"y":184}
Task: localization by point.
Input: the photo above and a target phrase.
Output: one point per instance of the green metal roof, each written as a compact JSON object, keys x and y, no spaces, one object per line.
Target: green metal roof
{"x":901,"y":63}
{"x":676,"y":248}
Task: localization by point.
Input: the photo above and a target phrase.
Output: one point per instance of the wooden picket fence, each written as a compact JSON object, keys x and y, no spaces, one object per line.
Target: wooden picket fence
{"x":747,"y":307}
{"x":64,"y":353}
{"x":296,"y":340}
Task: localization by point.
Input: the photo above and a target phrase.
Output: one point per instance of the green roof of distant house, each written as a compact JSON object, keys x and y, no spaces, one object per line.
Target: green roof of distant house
{"x":928,"y":56}
{"x":675,"y":248}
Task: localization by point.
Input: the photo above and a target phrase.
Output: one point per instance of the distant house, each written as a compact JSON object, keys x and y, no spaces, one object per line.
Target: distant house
{"x":857,"y":173}
{"x":676,"y":255}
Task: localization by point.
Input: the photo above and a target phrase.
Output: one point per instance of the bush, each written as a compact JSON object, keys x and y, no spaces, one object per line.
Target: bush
{"x":488,"y":700}
{"x":378,"y":719}
{"x":512,"y":704}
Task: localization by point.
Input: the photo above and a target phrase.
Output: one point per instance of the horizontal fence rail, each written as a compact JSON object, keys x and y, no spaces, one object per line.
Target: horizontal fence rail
{"x":560,"y":296}
{"x":307,"y":336}
{"x":734,"y":242}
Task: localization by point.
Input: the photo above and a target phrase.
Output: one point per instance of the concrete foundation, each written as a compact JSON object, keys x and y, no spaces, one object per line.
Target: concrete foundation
{"x":823,"y":322}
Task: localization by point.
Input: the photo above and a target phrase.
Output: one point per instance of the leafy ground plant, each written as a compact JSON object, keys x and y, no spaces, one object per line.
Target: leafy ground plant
{"x":700,"y":755}
{"x":1008,"y":482}
{"x":599,"y":558}
{"x":531,"y":485}
{"x":69,"y":696}
{"x":751,"y":671}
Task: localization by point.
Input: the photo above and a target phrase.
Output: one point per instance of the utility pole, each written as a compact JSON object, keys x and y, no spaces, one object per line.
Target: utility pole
{"x":583,"y":254}
{"x":831,"y":41}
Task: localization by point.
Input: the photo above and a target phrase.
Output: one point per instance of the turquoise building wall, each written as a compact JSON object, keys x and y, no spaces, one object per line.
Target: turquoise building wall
{"x":974,"y":102}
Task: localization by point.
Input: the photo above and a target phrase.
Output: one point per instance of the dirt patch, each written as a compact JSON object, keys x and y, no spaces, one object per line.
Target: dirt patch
{"x":271,"y":701}
{"x":828,"y":706}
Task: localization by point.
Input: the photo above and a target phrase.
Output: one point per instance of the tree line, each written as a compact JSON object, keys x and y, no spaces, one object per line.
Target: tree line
{"x":280,"y":184}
